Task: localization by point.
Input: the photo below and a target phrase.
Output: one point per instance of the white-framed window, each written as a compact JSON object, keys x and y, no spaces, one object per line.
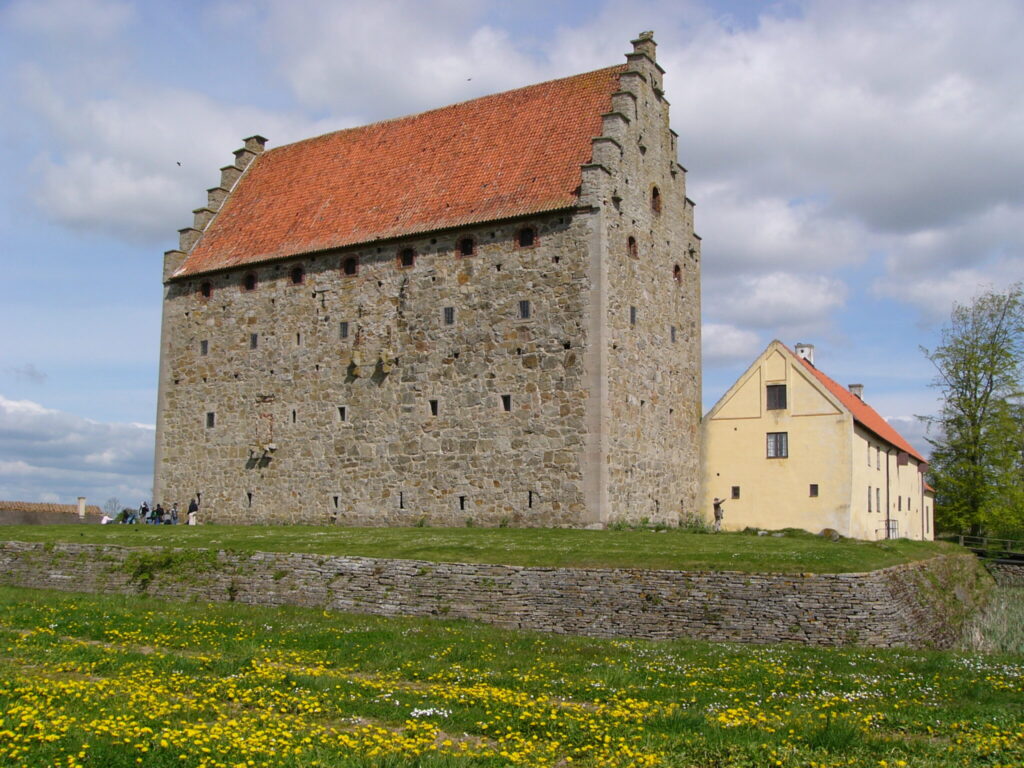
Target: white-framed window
{"x":778,"y":445}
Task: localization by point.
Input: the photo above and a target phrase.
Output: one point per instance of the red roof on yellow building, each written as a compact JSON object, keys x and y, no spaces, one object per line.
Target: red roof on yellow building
{"x":510,"y":154}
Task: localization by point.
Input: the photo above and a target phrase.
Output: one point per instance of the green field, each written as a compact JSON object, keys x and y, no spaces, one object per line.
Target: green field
{"x":675,"y":549}
{"x":118,"y":682}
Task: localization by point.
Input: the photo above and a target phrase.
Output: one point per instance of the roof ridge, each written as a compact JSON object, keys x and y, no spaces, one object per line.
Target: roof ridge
{"x":414,"y":115}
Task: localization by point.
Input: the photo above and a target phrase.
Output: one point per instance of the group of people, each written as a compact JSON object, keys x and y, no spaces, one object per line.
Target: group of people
{"x":158,"y":515}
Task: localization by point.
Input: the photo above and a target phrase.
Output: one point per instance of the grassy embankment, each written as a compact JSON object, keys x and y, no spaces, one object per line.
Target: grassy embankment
{"x":118,"y":682}
{"x":673,"y":549}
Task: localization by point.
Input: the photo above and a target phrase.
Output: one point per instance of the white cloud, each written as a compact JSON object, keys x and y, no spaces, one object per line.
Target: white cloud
{"x":76,"y":19}
{"x":781,"y":303}
{"x":722,"y":344}
{"x":48,"y":453}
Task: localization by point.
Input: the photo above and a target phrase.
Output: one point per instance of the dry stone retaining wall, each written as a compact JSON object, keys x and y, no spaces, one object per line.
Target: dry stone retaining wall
{"x":919,"y":604}
{"x":1006,"y":574}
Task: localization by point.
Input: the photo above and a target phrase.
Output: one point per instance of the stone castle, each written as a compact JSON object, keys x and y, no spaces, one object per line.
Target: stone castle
{"x":488,"y":313}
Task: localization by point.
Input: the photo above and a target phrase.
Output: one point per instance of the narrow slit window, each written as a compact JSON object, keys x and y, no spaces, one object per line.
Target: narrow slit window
{"x":529,"y":500}
{"x":342,"y":413}
{"x":631,"y":249}
{"x":449,"y":315}
{"x":335,"y":499}
{"x":204,"y":347}
{"x":527,"y":237}
{"x":294,"y":417}
{"x":506,"y":402}
{"x":343,"y":329}
{"x":632,"y":315}
{"x":211,"y":419}
{"x":462,"y":503}
{"x":248,"y":497}
{"x":298,"y":339}
{"x":254,"y":340}
{"x":869,"y":498}
{"x":406,"y":258}
{"x":677,"y":273}
{"x":298,"y":275}
{"x":401,"y":499}
{"x":433,"y":407}
{"x":524,"y":309}
{"x":672,"y":333}
{"x":467,"y":246}
{"x":350,"y":266}
{"x":655,"y":200}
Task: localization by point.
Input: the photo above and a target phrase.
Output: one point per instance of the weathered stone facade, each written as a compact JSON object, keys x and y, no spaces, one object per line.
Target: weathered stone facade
{"x":922,"y":604}
{"x":550,"y":377}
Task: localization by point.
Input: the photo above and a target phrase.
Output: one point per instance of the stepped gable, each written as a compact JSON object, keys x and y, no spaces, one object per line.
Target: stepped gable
{"x":864,"y":414}
{"x":510,"y":154}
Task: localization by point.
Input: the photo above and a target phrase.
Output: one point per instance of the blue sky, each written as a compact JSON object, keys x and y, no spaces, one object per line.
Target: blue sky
{"x":856,"y":168}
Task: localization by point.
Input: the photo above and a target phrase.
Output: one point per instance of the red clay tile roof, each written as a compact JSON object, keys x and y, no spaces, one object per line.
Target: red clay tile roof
{"x":509,"y":154}
{"x":864,"y":414}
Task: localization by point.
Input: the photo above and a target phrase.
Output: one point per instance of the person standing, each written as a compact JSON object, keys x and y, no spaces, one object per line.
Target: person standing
{"x":193,"y":512}
{"x":719,"y":513}
{"x":174,"y":513}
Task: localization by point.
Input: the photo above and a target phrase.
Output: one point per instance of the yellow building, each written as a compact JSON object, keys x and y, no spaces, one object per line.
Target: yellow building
{"x":788,"y":447}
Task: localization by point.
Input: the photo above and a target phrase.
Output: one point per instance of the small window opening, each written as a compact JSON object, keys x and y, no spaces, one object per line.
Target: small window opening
{"x":248,"y":496}
{"x":298,"y":275}
{"x":342,"y":413}
{"x":677,"y":273}
{"x":406,"y":258}
{"x":350,"y":266}
{"x":343,"y":329}
{"x":814,"y":490}
{"x":776,"y":397}
{"x":335,"y":499}
{"x":206,"y":289}
{"x":401,"y":499}
{"x":735,"y":491}
{"x":899,"y":503}
{"x":655,"y":200}
{"x":433,"y":407}
{"x":211,"y":419}
{"x":254,"y":340}
{"x":497,"y":267}
{"x":778,"y":445}
{"x":294,"y":417}
{"x":524,"y":309}
{"x":506,"y":402}
{"x":631,"y":249}
{"x":449,"y":315}
{"x":462,"y":503}
{"x":204,"y":347}
{"x":467,"y":247}
{"x":249,"y":283}
{"x":556,"y":259}
{"x":672,"y":333}
{"x":632,"y":315}
{"x":529,"y":500}
{"x":566,"y":345}
{"x":298,"y":339}
{"x":526,"y":237}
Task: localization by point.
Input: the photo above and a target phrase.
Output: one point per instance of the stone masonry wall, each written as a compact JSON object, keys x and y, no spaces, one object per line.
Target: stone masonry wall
{"x":1006,"y":573}
{"x":921,"y":604}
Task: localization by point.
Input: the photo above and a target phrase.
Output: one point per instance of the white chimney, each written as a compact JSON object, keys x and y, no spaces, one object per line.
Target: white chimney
{"x":806,"y":351}
{"x":857,"y":389}
{"x":81,"y":507}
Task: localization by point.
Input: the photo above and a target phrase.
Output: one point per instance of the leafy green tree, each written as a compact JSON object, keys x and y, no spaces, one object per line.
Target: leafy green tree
{"x":976,"y":465}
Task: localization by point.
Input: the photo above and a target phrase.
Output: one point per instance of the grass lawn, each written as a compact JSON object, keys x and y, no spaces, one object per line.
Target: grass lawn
{"x":115,"y":682}
{"x":675,"y":549}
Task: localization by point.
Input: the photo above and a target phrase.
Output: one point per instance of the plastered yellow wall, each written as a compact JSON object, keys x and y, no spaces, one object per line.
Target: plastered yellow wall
{"x":776,"y":492}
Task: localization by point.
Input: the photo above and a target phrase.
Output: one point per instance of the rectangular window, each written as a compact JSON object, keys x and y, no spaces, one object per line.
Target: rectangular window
{"x":211,"y":419}
{"x":433,"y":407}
{"x":869,"y":454}
{"x":343,"y":329}
{"x":899,"y":503}
{"x":778,"y":445}
{"x":506,"y":402}
{"x":672,"y":333}
{"x":449,"y":315}
{"x":735,"y":491}
{"x":342,"y":413}
{"x":814,"y":490}
{"x":878,"y":499}
{"x":893,"y":529}
{"x":254,"y":340}
{"x":776,"y":397}
{"x":204,"y":347}
{"x":632,"y":315}
{"x":878,"y":457}
{"x":524,"y":310}
{"x":869,"y":498}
